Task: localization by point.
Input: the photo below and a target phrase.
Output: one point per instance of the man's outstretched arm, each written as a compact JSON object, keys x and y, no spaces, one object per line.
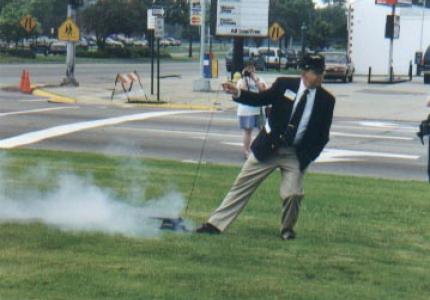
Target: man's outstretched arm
{"x":253,"y":99}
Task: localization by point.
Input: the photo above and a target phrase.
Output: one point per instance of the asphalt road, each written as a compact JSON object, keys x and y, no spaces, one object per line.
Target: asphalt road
{"x":357,"y":147}
{"x":89,"y":73}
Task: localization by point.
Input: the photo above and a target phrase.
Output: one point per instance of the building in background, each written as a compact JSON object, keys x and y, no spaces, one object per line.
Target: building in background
{"x":368,"y":46}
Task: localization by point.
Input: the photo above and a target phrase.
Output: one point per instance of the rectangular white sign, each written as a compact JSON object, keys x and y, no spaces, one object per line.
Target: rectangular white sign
{"x":151,"y":20}
{"x":248,"y":18}
{"x":159,"y":27}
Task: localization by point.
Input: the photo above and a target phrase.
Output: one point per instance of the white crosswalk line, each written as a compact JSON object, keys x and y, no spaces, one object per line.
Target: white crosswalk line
{"x":37,"y":136}
{"x":32,"y":111}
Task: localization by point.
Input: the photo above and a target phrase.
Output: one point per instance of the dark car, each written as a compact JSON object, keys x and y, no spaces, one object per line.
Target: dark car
{"x":338,"y":66}
{"x":250,"y":55}
{"x":292,"y":59}
{"x":425,"y":65}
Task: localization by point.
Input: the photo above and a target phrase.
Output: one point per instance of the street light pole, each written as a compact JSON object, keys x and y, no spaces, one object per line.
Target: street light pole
{"x":303,"y":28}
{"x":422,"y":24}
{"x":202,"y":37}
{"x":202,"y":84}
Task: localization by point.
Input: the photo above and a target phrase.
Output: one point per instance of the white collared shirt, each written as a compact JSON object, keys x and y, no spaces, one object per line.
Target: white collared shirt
{"x":303,"y":125}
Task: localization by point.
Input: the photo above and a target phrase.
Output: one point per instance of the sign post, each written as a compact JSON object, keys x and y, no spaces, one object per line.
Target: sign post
{"x":202,"y":84}
{"x":392,"y":29}
{"x":158,"y":34}
{"x":69,"y":31}
{"x":195,"y":21}
{"x":276,"y":32}
{"x":151,"y":28}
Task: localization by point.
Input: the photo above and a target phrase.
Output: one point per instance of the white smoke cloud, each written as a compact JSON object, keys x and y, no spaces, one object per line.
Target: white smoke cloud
{"x":75,"y":203}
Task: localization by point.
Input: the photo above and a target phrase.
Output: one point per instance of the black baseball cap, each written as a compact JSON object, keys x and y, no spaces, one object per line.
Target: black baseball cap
{"x":313,"y":62}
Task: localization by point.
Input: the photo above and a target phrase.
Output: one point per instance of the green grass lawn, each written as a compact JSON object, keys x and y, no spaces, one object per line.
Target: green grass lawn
{"x":358,"y":238}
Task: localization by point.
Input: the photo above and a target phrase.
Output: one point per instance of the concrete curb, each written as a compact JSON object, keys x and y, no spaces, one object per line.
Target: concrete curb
{"x":54,"y":98}
{"x":57,"y":98}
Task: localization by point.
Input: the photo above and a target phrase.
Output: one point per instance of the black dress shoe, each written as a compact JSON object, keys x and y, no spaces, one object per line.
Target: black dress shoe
{"x":288,"y":235}
{"x":208,"y":229}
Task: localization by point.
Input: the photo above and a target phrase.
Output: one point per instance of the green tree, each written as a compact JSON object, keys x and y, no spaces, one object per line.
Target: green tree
{"x":291,"y":14}
{"x":108,"y":17}
{"x":50,"y":13}
{"x":10,"y":16}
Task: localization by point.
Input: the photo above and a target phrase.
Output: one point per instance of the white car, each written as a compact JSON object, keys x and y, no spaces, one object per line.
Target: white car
{"x":165,"y":43}
{"x":140,"y":43}
{"x":114,"y":44}
{"x":272,"y":56}
{"x":58,"y":47}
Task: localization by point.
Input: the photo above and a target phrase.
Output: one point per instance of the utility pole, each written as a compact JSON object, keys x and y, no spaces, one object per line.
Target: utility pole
{"x":203,"y":84}
{"x":70,"y":79}
{"x":422,"y":25}
{"x":202,"y":37}
{"x":390,"y":56}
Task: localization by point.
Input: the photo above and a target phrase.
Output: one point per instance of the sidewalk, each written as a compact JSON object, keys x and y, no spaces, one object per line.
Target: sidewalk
{"x":397,"y":102}
{"x":177,"y":93}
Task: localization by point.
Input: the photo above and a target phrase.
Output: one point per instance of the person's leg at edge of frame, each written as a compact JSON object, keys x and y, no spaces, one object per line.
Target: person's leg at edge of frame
{"x":251,"y":176}
{"x":291,"y":192}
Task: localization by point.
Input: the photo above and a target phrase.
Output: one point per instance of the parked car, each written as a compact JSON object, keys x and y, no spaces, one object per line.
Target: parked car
{"x":250,"y":55}
{"x":273,"y":57}
{"x":338,"y":66}
{"x":425,"y":61}
{"x":83,"y":43}
{"x":174,"y":42}
{"x":58,"y":48}
{"x":165,"y":43}
{"x":41,"y":44}
{"x":140,"y":43}
{"x":110,"y":42}
{"x":292,"y":59}
{"x":3,"y":44}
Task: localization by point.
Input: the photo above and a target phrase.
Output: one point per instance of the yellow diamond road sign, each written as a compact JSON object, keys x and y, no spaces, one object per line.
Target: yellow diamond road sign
{"x":28,"y":23}
{"x":69,"y":31}
{"x":276,"y":32}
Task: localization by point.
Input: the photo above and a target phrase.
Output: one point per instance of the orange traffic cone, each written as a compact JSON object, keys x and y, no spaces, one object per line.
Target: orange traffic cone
{"x":25,"y":83}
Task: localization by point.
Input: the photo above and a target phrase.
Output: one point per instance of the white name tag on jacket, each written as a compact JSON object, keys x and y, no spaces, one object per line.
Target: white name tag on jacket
{"x":290,"y":95}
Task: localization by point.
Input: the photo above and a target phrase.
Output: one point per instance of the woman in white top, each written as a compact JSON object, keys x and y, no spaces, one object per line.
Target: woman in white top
{"x":249,"y":116}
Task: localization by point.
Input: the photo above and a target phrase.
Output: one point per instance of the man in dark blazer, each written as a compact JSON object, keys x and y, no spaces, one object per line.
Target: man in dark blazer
{"x":295,"y":134}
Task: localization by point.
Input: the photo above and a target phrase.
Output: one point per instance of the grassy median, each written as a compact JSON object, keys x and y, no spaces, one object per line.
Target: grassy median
{"x":358,"y":238}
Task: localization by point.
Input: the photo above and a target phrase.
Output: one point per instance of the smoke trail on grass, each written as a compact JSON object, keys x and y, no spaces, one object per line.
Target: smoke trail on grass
{"x":76,"y":203}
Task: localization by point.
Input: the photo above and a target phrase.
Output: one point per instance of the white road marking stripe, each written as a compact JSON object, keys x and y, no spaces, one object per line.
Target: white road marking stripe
{"x":33,"y":100}
{"x":369,"y":136}
{"x":199,"y":133}
{"x":31,"y":111}
{"x":37,"y":136}
{"x":194,"y":134}
{"x":402,"y":129}
{"x":333,"y":155}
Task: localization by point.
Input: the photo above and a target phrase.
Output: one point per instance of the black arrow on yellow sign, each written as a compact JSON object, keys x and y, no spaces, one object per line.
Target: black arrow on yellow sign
{"x":28,"y":23}
{"x":276,"y":32}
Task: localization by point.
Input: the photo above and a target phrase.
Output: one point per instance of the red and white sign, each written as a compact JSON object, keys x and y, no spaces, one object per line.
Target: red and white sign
{"x":394,"y":2}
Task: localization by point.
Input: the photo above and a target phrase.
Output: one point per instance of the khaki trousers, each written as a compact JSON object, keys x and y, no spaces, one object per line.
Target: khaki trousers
{"x":251,"y":176}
